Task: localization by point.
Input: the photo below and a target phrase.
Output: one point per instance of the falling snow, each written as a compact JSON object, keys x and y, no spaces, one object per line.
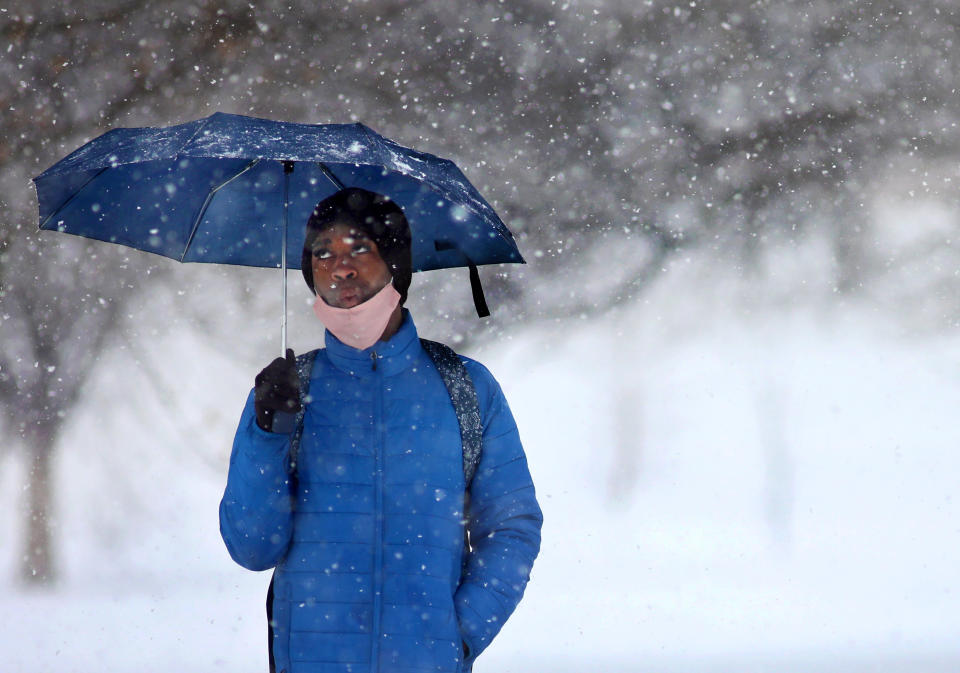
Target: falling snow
{"x":730,"y":353}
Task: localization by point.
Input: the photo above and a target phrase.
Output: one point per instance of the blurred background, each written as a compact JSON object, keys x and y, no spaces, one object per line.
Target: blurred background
{"x":734,"y":353}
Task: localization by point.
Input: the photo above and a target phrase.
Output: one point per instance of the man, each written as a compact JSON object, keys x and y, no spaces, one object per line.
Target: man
{"x":374,"y":572}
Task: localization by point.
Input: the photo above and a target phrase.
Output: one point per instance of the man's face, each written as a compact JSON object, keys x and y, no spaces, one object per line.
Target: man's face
{"x":347,"y":267}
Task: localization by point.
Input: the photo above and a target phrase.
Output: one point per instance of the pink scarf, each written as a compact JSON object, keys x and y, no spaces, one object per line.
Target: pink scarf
{"x":362,"y":325}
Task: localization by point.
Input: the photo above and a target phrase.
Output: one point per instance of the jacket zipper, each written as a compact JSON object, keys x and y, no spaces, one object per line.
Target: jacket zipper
{"x":378,"y":543}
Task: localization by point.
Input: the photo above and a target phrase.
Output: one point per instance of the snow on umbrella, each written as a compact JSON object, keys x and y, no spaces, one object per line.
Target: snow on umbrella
{"x":230,"y":189}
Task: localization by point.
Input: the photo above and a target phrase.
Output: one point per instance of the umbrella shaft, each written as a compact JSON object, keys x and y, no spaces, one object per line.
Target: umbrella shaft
{"x":283,"y":322}
{"x":287,"y":170}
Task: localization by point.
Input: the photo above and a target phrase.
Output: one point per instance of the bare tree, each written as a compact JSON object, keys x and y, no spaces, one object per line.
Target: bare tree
{"x":69,"y":74}
{"x":609,"y":136}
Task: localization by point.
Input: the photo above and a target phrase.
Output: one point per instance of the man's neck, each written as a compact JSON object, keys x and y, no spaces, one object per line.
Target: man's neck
{"x":393,"y":325}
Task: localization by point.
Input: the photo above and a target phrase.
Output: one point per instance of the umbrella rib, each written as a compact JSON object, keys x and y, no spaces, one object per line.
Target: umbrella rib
{"x":206,"y":204}
{"x":329,"y":175}
{"x":71,"y":198}
{"x":189,"y":140}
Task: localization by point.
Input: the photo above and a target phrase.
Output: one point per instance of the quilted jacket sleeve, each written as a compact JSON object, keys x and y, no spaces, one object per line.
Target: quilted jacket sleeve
{"x":255,"y":512}
{"x":504,"y":524}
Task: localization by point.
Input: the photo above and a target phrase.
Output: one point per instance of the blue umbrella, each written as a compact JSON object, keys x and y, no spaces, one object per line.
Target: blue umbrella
{"x":230,"y":189}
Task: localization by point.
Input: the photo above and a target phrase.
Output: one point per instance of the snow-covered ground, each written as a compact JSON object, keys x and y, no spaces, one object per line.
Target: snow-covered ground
{"x":769,"y":491}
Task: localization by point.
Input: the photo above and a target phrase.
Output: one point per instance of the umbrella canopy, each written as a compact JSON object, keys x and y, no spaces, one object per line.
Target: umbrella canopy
{"x":221,"y":190}
{"x":230,"y":189}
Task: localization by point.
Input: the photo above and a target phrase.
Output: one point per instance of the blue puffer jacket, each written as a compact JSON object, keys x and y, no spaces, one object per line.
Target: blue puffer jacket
{"x":372,"y":571}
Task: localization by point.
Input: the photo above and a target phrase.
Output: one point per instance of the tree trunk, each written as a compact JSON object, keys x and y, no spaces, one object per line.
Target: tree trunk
{"x":37,"y":561}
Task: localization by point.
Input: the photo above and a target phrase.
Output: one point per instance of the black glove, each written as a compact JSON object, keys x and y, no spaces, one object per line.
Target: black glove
{"x":277,"y":389}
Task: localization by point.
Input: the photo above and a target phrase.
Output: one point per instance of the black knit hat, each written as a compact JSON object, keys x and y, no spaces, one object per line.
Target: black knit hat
{"x":378,"y":216}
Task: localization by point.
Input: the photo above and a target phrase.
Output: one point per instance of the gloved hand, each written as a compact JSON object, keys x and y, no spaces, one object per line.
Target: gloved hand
{"x":277,"y":389}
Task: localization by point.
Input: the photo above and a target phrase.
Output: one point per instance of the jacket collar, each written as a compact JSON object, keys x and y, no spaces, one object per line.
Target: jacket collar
{"x":392,"y":356}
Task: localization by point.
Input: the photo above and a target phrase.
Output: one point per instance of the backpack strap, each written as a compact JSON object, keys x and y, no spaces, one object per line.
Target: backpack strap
{"x":463,"y":394}
{"x":304,"y":371}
